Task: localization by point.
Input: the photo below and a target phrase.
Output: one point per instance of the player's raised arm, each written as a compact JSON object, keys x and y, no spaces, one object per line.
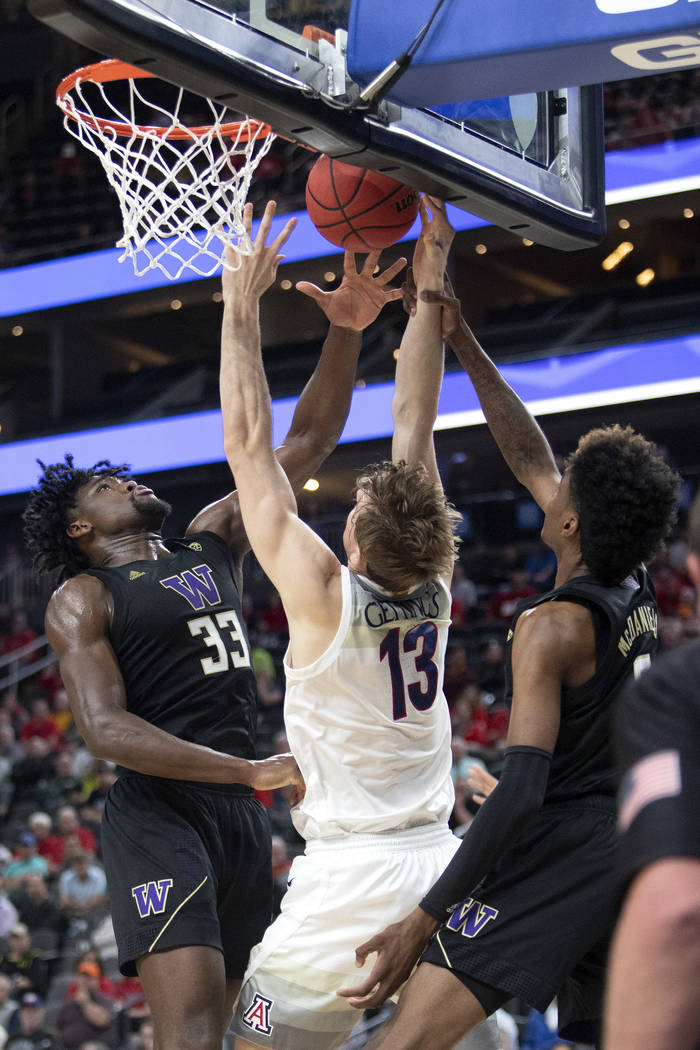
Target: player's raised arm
{"x":280,"y":540}
{"x":420,"y":363}
{"x":323,"y":406}
{"x":516,"y":432}
{"x":77,"y":629}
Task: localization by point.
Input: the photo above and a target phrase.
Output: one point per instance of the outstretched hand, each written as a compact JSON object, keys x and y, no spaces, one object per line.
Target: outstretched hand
{"x":254,"y":273}
{"x":398,"y":948}
{"x":359,"y":298}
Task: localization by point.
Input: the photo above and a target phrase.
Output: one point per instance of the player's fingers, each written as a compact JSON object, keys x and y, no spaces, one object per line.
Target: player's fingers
{"x":392,"y":295}
{"x":447,"y":285}
{"x":424,"y":216}
{"x":283,"y":236}
{"x":436,"y":204}
{"x":248,"y":219}
{"x":391,"y":271}
{"x":349,"y":264}
{"x":265,"y":223}
{"x":479,"y":799}
{"x":439,"y":298}
{"x":312,"y":290}
{"x":370,"y":264}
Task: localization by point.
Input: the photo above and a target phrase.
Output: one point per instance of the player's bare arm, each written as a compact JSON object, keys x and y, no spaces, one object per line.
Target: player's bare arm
{"x":420,"y":362}
{"x":77,"y":621}
{"x":323,"y":405}
{"x":517,"y":434}
{"x":548,"y":650}
{"x":280,"y":540}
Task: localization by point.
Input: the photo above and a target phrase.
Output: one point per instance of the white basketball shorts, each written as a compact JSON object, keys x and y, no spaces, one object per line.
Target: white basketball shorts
{"x":341,"y":892}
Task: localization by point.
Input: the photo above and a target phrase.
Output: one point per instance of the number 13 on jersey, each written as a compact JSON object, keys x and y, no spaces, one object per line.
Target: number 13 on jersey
{"x":418,"y":647}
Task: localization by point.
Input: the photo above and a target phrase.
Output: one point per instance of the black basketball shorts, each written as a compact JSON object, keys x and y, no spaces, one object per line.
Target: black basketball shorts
{"x":186,"y":864}
{"x":539,"y":924}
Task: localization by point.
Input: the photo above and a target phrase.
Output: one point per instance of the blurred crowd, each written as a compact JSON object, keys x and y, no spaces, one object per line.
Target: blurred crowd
{"x":59,"y":982}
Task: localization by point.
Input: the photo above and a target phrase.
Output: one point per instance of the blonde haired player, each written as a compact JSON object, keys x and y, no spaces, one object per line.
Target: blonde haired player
{"x":365,"y":714}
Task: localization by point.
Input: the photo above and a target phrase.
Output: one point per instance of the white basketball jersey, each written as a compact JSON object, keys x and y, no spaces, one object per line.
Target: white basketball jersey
{"x":368,"y":722}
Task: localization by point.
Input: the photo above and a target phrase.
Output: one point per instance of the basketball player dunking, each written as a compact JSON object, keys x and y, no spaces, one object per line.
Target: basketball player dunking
{"x":526,"y":907}
{"x":155,"y":659}
{"x":364,"y":709}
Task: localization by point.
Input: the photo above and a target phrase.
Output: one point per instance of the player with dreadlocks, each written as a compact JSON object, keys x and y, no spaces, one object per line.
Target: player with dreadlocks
{"x":155,"y":659}
{"x":526,"y":907}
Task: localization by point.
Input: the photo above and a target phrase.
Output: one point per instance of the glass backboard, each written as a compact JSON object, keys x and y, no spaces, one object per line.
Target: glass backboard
{"x":529,"y":163}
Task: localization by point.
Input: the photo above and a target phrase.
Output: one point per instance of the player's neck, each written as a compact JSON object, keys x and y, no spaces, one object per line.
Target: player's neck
{"x":127,"y":547}
{"x":570,"y":564}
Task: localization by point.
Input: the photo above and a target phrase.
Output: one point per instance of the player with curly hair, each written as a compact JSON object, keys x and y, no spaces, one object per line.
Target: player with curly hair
{"x":526,"y":907}
{"x":153,"y":651}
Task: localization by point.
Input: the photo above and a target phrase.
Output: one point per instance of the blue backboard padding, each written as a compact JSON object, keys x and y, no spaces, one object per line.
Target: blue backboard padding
{"x":99,"y":275}
{"x":663,"y":367}
{"x":538,"y":45}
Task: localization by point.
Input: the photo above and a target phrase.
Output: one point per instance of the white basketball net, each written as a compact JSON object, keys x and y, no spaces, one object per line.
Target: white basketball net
{"x":181,"y":190}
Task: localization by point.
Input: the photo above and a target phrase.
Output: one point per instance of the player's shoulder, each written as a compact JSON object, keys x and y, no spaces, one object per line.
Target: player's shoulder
{"x":79,"y":598}
{"x":553,"y":620}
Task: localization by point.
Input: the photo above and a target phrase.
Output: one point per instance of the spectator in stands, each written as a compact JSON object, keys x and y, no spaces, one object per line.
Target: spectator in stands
{"x":8,"y":1005}
{"x":464,"y":595}
{"x":89,"y":1015}
{"x":63,"y":788}
{"x":458,"y":673}
{"x":40,"y":825}
{"x":27,"y":862}
{"x":23,"y":964}
{"x":61,"y":712}
{"x":82,"y":888}
{"x":32,"y":1033}
{"x":106,"y":775}
{"x":90,"y":958}
{"x":8,"y":914}
{"x":270,"y":693}
{"x":68,"y":826}
{"x":30,"y":772}
{"x":540,"y":568}
{"x":10,"y":705}
{"x":38,"y":911}
{"x":503,"y":603}
{"x":668,"y":585}
{"x":489,"y":670}
{"x":40,"y":723}
{"x":21,"y":634}
{"x":272,"y":618}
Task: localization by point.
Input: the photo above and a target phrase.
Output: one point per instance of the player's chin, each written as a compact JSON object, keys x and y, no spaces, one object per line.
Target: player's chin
{"x":152,"y":508}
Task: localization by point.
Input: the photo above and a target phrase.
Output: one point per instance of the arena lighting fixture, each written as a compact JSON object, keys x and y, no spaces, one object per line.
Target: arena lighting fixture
{"x":311,"y":485}
{"x":17,"y":329}
{"x":624,"y":224}
{"x":617,"y":375}
{"x":615,"y":258}
{"x":481,"y":249}
{"x":635,"y":174}
{"x":645,"y":277}
{"x":688,"y":213}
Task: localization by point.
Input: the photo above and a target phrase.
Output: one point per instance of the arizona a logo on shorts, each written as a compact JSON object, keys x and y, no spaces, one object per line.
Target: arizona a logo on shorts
{"x":152,"y":897}
{"x":257,"y":1016}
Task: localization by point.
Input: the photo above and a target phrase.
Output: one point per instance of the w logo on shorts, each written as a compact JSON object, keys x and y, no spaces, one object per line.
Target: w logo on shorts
{"x":257,"y":1016}
{"x":470,"y":917}
{"x":152,"y":897}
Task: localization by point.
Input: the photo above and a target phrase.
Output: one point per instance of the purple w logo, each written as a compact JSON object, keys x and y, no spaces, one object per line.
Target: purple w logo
{"x":195,"y":585}
{"x":471,"y":917}
{"x":152,"y":897}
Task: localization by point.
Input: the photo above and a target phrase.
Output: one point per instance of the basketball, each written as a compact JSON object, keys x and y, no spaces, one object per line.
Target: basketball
{"x":358,"y":209}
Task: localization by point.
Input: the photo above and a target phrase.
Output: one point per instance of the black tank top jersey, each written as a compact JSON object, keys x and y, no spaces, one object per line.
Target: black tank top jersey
{"x":626,"y":621}
{"x":180,"y":640}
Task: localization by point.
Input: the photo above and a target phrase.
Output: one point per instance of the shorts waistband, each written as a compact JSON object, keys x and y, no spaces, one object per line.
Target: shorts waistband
{"x":409,"y":838}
